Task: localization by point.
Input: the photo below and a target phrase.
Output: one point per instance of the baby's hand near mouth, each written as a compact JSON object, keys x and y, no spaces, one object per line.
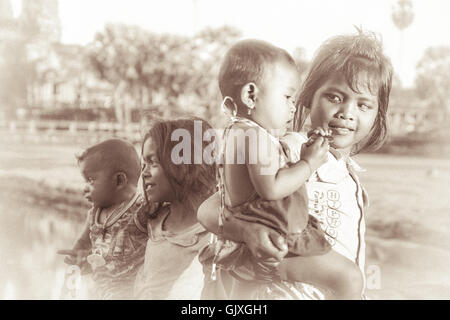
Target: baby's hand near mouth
{"x":318,"y":132}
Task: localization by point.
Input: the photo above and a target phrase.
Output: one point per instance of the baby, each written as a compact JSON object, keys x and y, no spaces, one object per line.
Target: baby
{"x":113,"y":242}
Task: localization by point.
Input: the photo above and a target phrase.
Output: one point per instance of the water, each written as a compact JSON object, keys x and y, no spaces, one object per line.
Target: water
{"x":30,"y":237}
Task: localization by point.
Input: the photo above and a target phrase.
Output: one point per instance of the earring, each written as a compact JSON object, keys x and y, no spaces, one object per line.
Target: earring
{"x":234,"y":109}
{"x":250,"y":106}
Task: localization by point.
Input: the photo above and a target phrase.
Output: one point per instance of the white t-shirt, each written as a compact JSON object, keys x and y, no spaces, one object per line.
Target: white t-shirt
{"x":336,"y":199}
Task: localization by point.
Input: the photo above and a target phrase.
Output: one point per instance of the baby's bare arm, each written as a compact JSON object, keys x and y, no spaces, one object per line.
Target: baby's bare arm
{"x":272,"y":182}
{"x":331,"y":271}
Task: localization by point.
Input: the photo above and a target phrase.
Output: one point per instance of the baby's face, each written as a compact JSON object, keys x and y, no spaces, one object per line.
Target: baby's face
{"x":275,"y":104}
{"x":99,"y":187}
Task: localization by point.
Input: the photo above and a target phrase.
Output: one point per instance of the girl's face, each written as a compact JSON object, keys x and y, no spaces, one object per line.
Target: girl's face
{"x":156,"y":184}
{"x":349,"y":115}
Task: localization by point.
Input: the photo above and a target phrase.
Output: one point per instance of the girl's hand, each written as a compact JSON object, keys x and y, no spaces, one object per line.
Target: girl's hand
{"x":264,"y":242}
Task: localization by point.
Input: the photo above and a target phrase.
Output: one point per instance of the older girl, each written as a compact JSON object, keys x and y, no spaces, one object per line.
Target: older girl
{"x":171,"y":270}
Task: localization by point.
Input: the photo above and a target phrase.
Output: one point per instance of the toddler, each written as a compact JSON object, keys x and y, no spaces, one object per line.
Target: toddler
{"x":112,"y":244}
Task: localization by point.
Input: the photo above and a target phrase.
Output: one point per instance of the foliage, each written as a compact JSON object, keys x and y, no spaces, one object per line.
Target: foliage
{"x":433,"y":77}
{"x":165,"y":71}
{"x":402,"y":14}
{"x":401,"y":97}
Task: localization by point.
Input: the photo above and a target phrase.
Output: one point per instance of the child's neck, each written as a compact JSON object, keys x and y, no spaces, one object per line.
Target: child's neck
{"x":340,"y":153}
{"x":179,"y":217}
{"x":336,"y":153}
{"x":125,"y":196}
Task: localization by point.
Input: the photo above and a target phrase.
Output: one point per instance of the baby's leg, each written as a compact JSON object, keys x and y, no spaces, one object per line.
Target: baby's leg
{"x":331,"y":270}
{"x":266,"y":269}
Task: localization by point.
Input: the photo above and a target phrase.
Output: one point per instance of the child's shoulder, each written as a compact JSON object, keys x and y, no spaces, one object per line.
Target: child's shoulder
{"x":244,"y":130}
{"x":242,"y":126}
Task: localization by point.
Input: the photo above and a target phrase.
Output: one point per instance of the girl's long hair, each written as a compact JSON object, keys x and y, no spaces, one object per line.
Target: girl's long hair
{"x":191,"y":183}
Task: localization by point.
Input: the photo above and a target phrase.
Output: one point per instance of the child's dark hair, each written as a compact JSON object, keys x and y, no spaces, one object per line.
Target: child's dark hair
{"x":352,"y":56}
{"x":191,"y":183}
{"x":115,"y":155}
{"x":246,"y":61}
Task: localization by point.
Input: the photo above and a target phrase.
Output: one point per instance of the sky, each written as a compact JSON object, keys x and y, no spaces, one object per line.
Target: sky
{"x":286,"y":23}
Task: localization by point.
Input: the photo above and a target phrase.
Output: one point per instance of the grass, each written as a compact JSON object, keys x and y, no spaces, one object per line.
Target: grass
{"x":407,"y":224}
{"x":434,"y":142}
{"x":408,"y":195}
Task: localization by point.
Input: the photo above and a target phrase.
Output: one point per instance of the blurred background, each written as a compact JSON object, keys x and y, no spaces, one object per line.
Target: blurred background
{"x":75,"y":72}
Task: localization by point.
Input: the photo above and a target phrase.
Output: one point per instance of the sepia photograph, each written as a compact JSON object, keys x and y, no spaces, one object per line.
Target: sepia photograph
{"x":224,"y":150}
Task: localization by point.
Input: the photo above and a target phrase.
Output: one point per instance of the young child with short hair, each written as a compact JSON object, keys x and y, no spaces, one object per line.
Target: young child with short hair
{"x":113,"y":242}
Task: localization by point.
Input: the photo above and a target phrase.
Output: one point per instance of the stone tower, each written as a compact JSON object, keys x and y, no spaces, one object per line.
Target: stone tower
{"x":40,"y":19}
{"x":8,"y":25}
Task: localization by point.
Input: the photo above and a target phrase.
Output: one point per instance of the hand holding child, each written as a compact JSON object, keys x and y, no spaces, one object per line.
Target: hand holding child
{"x":264,"y":242}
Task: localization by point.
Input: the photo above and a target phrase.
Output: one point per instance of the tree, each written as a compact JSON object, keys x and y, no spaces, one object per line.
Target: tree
{"x":433,"y":77}
{"x":402,"y":16}
{"x":402,"y":98}
{"x":208,"y":48}
{"x":176,"y":73}
{"x":140,"y":65}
